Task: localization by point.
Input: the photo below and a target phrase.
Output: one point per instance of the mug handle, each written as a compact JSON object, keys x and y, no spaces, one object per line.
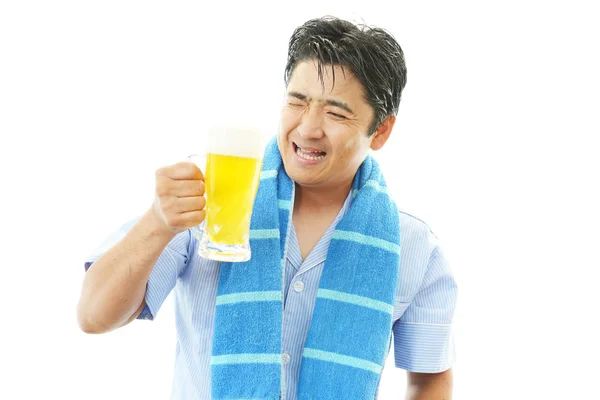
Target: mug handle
{"x":200,"y":161}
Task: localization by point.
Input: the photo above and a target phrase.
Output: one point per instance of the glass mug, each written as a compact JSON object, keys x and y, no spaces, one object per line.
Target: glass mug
{"x":231,"y":168}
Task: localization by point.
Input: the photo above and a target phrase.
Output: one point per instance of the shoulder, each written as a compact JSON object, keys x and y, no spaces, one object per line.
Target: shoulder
{"x":414,"y":232}
{"x":417,"y":245}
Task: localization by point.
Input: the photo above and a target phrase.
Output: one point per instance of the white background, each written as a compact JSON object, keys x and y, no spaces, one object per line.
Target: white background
{"x":495,"y":148}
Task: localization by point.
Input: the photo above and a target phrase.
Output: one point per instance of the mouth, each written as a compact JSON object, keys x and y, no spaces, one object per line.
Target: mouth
{"x":309,"y":153}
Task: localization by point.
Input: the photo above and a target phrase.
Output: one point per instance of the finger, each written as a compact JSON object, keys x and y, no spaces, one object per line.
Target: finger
{"x":193,"y":218}
{"x":189,"y":204}
{"x":188,"y":188}
{"x":181,"y":171}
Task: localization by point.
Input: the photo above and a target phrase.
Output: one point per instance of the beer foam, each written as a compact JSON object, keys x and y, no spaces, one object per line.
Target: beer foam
{"x":235,"y":140}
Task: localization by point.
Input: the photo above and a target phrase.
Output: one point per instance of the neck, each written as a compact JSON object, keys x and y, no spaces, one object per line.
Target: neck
{"x":316,"y":198}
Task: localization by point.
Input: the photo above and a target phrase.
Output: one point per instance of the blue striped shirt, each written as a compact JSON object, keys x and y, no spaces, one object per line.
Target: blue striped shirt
{"x":422,"y":317}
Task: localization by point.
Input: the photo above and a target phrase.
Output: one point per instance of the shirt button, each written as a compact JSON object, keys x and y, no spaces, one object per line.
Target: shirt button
{"x":298,"y":286}
{"x":285,"y":357}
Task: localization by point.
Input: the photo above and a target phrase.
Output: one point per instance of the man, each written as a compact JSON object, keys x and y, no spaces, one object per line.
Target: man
{"x":344,"y":84}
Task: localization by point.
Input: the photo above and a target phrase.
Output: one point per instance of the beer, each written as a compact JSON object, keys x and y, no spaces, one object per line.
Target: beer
{"x":231,"y":184}
{"x":231,"y":175}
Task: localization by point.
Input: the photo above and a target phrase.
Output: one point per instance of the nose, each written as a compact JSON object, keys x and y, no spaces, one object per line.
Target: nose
{"x":311,"y":125}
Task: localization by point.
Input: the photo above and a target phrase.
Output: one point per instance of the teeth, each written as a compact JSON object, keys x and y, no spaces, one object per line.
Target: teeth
{"x":307,"y":154}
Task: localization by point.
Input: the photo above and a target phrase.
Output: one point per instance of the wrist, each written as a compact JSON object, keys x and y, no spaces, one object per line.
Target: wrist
{"x":156,"y":227}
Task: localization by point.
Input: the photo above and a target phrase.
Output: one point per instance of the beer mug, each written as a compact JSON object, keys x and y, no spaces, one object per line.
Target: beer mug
{"x":231,"y":168}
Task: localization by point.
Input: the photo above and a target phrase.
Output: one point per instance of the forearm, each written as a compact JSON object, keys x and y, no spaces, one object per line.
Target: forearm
{"x":429,"y":393}
{"x":430,"y":386}
{"x":114,"y":287}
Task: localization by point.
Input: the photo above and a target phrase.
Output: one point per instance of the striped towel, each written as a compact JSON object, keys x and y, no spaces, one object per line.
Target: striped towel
{"x":350,"y":332}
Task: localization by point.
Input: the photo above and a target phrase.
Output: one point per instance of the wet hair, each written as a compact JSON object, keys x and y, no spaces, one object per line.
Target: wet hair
{"x":371,"y":53}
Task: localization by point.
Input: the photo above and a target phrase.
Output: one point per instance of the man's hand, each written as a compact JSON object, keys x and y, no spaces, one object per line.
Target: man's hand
{"x":179,"y":201}
{"x":429,"y":386}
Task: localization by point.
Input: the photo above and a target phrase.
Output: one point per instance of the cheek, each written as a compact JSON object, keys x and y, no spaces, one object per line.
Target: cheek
{"x":350,"y":152}
{"x":288,"y":119}
{"x":349,"y":148}
{"x":283,"y":129}
{"x":282,"y":121}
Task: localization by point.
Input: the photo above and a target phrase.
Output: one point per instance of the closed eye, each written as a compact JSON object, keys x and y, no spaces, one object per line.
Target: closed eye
{"x":295,"y":105}
{"x":337,"y":115}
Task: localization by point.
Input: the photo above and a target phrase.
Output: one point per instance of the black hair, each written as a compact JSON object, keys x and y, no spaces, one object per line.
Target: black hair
{"x":371,"y":53}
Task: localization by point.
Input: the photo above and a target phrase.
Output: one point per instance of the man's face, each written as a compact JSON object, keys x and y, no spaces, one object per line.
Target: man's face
{"x":323,"y":133}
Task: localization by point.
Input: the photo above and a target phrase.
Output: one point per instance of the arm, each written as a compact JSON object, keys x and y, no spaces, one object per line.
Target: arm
{"x":429,"y":386}
{"x":114,"y":287}
{"x":423,"y":337}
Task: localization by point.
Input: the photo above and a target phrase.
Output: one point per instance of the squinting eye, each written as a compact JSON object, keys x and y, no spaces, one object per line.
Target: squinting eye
{"x":295,"y":105}
{"x":337,"y":115}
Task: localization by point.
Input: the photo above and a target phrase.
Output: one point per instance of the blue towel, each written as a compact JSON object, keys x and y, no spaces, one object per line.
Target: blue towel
{"x":350,"y":332}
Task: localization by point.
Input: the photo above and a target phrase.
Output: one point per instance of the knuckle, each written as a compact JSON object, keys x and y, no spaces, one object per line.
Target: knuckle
{"x":186,"y":168}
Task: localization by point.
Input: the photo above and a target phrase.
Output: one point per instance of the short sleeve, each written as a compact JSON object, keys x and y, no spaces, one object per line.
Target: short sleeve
{"x":423,"y":340}
{"x":169,"y":266}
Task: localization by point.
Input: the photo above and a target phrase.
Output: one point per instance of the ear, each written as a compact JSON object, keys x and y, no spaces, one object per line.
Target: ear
{"x":382,"y":134}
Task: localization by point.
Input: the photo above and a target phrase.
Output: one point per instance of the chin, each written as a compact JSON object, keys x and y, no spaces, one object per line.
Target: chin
{"x":295,"y":175}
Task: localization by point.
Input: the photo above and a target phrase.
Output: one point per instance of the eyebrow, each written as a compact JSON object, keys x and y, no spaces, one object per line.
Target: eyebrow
{"x":331,"y":102}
